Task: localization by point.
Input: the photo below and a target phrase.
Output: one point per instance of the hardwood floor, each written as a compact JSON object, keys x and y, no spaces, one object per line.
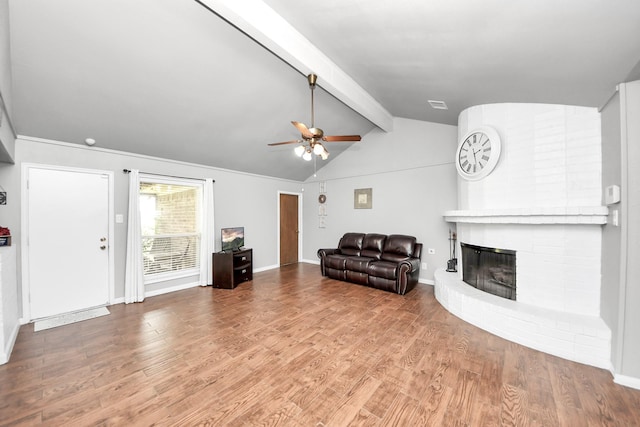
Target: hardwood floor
{"x":292,"y":348}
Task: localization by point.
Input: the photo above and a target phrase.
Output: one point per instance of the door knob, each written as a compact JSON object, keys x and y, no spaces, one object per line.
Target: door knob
{"x":103,"y":247}
{"x":103,"y":239}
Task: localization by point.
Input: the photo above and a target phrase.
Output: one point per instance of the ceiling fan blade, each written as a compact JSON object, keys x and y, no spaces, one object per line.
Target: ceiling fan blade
{"x":303,"y":129}
{"x":336,"y":138}
{"x":285,"y":142}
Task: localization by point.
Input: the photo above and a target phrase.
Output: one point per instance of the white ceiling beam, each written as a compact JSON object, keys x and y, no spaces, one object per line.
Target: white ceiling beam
{"x":263,"y":24}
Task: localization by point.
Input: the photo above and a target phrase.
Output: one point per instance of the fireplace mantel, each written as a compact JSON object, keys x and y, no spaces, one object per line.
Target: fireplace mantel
{"x":596,"y":215}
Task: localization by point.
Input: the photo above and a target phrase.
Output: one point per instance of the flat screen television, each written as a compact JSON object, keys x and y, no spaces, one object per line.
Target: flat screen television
{"x":232,"y":238}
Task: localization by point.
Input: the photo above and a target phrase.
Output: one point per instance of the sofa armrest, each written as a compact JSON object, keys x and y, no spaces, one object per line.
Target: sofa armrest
{"x":408,"y":272}
{"x":324,"y":252}
{"x":413,"y":263}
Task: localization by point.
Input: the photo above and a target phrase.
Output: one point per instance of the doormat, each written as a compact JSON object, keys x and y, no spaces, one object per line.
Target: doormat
{"x":68,"y":318}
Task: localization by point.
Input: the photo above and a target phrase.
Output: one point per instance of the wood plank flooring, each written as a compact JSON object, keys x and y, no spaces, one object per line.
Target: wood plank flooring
{"x":292,"y":348}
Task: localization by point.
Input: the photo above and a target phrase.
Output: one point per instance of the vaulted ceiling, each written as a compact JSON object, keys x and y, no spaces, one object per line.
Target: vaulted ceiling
{"x":205,"y":82}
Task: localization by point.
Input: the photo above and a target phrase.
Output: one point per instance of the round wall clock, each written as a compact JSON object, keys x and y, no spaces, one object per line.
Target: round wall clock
{"x":478,"y":153}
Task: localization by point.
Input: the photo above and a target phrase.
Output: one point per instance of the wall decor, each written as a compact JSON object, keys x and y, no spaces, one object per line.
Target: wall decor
{"x":322,"y":208}
{"x":363,"y":198}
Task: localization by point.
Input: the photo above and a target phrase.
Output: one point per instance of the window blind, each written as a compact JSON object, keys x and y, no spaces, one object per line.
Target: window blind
{"x":170,"y":221}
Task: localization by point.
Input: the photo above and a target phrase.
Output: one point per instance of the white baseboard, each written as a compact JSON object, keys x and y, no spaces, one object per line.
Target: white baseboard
{"x":627,"y":381}
{"x":8,"y":348}
{"x":311,"y":261}
{"x":117,"y":301}
{"x":269,"y":267}
{"x":171,"y":289}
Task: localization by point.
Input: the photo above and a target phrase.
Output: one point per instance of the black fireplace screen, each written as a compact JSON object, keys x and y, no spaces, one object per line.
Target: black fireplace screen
{"x":490,"y":270}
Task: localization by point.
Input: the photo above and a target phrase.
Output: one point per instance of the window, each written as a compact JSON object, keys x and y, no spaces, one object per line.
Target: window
{"x":171,"y":217}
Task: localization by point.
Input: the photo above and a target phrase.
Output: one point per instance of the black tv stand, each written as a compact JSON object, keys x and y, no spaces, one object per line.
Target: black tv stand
{"x":232,"y":268}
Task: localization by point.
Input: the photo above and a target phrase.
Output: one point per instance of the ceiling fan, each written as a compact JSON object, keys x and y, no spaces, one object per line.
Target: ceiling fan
{"x":312,"y":137}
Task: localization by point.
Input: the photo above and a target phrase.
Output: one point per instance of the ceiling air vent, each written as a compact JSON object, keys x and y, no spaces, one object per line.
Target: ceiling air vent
{"x":438,"y":105}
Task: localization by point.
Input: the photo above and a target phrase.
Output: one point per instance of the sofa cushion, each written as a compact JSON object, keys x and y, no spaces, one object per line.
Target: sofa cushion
{"x":335,"y":261}
{"x":372,"y":245}
{"x":359,"y":278}
{"x":398,"y":247}
{"x":384,"y":284}
{"x":336,"y":273}
{"x":351,"y":243}
{"x":358,"y":263}
{"x":384,"y":269}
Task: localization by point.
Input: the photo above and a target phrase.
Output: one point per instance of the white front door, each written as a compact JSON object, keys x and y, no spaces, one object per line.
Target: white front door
{"x":67,"y":238}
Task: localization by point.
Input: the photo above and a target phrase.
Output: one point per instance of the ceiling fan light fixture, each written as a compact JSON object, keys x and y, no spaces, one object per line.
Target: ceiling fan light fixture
{"x":311,"y":137}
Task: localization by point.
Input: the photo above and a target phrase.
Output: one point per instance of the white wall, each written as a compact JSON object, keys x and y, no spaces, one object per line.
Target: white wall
{"x":551,"y":157}
{"x":629,"y":362}
{"x":240,"y":199}
{"x":413,"y":177}
{"x":7,"y":138}
{"x":9,"y":324}
{"x":621,"y":244}
{"x":611,"y":235}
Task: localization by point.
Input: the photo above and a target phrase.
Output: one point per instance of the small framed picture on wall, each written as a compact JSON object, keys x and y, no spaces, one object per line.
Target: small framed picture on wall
{"x":363,"y":198}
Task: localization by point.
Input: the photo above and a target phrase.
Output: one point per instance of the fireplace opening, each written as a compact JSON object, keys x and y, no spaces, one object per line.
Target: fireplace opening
{"x":490,"y":270}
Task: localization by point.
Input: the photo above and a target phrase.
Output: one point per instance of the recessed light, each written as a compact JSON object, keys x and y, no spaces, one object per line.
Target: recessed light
{"x":90,"y":141}
{"x":438,"y":105}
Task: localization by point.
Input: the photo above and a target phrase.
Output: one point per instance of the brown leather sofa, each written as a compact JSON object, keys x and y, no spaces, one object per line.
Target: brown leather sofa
{"x":390,"y":263}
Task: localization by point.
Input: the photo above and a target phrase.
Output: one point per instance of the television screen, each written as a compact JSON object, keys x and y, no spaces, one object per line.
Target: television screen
{"x":232,"y":238}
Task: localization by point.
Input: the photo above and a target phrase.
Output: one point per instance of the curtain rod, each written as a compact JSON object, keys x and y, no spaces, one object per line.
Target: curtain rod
{"x":168,"y":176}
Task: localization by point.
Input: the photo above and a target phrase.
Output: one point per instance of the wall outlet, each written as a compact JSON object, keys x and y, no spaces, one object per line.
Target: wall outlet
{"x":431,"y":251}
{"x":424,"y":266}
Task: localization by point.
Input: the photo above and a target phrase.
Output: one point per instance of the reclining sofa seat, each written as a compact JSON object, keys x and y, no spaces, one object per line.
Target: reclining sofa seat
{"x":391,"y":263}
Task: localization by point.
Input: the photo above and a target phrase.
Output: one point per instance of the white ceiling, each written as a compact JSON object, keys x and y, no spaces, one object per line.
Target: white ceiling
{"x":169,"y":78}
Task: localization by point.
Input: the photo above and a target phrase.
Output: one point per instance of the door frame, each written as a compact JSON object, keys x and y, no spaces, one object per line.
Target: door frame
{"x":300,"y":227}
{"x":24,"y":239}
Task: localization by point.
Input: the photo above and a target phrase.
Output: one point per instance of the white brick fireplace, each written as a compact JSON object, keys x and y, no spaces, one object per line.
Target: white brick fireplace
{"x":543,"y":200}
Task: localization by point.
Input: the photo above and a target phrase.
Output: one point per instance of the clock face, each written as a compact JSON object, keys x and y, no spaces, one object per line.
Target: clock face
{"x":478,"y":153}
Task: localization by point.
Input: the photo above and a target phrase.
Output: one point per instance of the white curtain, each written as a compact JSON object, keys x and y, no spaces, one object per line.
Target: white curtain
{"x":134,"y":279}
{"x":208,"y":239}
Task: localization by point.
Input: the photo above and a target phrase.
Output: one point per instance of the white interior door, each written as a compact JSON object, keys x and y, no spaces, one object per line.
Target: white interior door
{"x":68,"y":248}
